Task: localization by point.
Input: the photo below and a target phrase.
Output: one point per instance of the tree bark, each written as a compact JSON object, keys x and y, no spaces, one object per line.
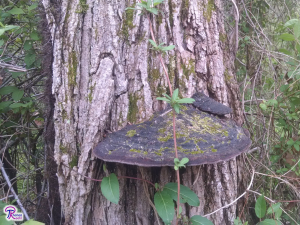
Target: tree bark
{"x":105,"y":75}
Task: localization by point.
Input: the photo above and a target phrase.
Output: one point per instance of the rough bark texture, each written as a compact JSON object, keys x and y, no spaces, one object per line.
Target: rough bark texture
{"x":104,"y":75}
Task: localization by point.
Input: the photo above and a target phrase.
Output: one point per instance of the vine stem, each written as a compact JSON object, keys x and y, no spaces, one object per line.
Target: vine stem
{"x":160,"y":57}
{"x":174,"y":118}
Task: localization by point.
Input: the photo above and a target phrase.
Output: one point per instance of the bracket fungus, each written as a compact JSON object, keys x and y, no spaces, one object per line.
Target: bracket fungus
{"x":206,"y":104}
{"x":202,"y":137}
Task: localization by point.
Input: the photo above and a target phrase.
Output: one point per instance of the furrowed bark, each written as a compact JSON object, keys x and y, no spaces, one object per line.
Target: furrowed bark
{"x":105,"y":75}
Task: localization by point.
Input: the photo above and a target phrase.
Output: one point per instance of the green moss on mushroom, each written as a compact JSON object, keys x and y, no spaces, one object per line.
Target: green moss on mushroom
{"x":131,"y":133}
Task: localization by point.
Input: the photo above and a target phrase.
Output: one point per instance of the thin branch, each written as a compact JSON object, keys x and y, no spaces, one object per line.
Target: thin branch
{"x":12,"y":67}
{"x":237,"y":19}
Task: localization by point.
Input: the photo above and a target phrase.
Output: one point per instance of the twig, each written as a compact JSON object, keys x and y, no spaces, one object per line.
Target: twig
{"x":291,"y":168}
{"x":12,"y":67}
{"x":284,"y":181}
{"x":237,"y":18}
{"x":6,"y":197}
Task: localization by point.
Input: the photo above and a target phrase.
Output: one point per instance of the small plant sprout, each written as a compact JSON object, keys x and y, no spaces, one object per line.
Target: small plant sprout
{"x":161,"y":47}
{"x":175,"y":101}
{"x":149,"y":5}
{"x":181,"y":163}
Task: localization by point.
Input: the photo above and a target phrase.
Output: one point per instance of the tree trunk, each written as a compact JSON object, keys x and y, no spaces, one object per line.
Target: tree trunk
{"x":105,"y":75}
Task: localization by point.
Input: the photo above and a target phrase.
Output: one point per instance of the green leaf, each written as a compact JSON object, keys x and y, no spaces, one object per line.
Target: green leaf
{"x":176,"y":108}
{"x":149,"y":3}
{"x":10,"y":27}
{"x":260,"y":207}
{"x":110,"y":188}
{"x":238,"y":221}
{"x":284,"y":87}
{"x":184,"y":161}
{"x":167,"y":48}
{"x":28,"y":45}
{"x":16,"y":74}
{"x":4,"y":105}
{"x":284,"y":51}
{"x":175,"y":95}
{"x":32,"y":222}
{"x":1,"y":42}
{"x":7,"y":90}
{"x":291,"y":22}
{"x":287,"y":37}
{"x":29,"y":59}
{"x":186,"y":194}
{"x":153,"y":10}
{"x":185,"y":100}
{"x":3,"y":221}
{"x":153,"y":43}
{"x":263,"y":106}
{"x":33,"y":6}
{"x":17,"y":95}
{"x":7,"y":27}
{"x":269,"y":222}
{"x":181,"y":163}
{"x":34,"y":36}
{"x":273,"y":208}
{"x":290,"y":142}
{"x":276,"y":209}
{"x":165,"y":206}
{"x":278,"y":214}
{"x":167,"y":96}
{"x":28,"y":104}
{"x":2,"y":205}
{"x":292,"y":62}
{"x":16,"y":11}
{"x":297,"y":29}
{"x":272,"y":102}
{"x":17,"y":105}
{"x":156,"y":2}
{"x":130,"y":8}
{"x":199,"y":220}
{"x":163,"y":99}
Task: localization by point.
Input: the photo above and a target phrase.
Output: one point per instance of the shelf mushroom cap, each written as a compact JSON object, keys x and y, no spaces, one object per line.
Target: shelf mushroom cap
{"x":206,"y":104}
{"x":201,"y":137}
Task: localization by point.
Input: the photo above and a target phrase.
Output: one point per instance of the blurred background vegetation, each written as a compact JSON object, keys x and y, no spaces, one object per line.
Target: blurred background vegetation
{"x":268,"y":73}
